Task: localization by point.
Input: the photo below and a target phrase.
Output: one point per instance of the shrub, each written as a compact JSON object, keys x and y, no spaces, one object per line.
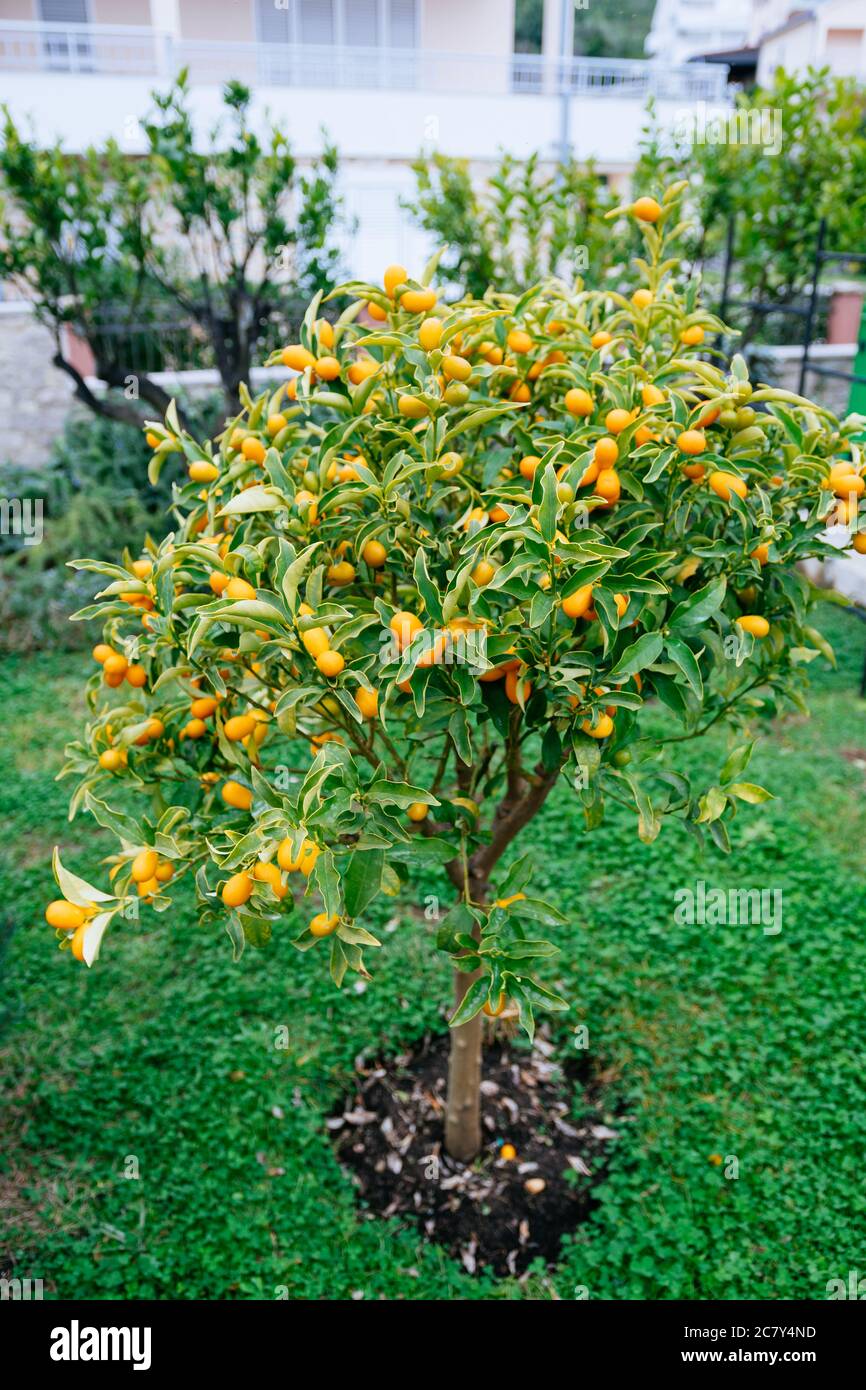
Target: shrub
{"x":458,"y":566}
{"x":93,"y":489}
{"x":225,"y":234}
{"x":528,"y":221}
{"x":804,"y":160}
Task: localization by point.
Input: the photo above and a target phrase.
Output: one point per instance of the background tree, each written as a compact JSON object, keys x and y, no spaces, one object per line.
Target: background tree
{"x":530,"y":219}
{"x":458,"y":568}
{"x":227,"y":235}
{"x":605,"y":30}
{"x":776,"y":195}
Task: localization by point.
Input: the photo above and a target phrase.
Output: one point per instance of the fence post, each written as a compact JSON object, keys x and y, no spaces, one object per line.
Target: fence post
{"x":810,"y":313}
{"x":729,"y":259}
{"x":165,"y":55}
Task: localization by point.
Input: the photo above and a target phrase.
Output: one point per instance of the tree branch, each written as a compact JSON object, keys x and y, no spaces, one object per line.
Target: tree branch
{"x":108,"y":409}
{"x":511,"y":816}
{"x":148,"y":390}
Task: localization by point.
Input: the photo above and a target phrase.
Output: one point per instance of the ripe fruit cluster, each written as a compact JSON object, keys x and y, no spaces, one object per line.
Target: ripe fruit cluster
{"x":450,"y":558}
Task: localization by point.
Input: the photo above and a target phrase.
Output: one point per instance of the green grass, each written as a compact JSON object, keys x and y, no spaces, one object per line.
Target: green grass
{"x":716,"y":1040}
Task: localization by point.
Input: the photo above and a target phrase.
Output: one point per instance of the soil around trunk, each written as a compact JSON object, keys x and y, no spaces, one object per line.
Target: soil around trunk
{"x":499,"y":1212}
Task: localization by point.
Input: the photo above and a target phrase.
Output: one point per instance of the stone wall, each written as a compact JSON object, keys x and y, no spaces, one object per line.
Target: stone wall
{"x":780,"y":366}
{"x":35,"y":398}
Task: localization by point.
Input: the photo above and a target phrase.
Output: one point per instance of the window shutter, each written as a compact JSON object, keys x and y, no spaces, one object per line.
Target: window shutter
{"x":361,"y":23}
{"x":403,"y":23}
{"x":63,"y":11}
{"x":272,"y":24}
{"x":316,"y":19}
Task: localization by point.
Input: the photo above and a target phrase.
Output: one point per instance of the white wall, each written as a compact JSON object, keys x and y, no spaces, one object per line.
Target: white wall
{"x":768,"y":15}
{"x":378,"y":134}
{"x":372,"y":194}
{"x":467,"y":26}
{"x":377,"y":125}
{"x":835,"y":37}
{"x":684,"y":29}
{"x":793,"y":49}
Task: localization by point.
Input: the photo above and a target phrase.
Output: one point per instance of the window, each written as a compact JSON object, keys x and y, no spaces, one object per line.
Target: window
{"x":272,"y":25}
{"x":315,"y":21}
{"x":64,"y":11}
{"x":844,"y":49}
{"x":361,"y":24}
{"x":66,"y":52}
{"x":403,"y":23}
{"x":344,"y":43}
{"x":353,"y":23}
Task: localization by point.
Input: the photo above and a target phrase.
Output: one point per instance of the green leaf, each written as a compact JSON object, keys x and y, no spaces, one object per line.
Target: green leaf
{"x":549,"y":505}
{"x":517,"y":877}
{"x":749,"y":791}
{"x":683,"y":657}
{"x":295,"y":573}
{"x":712,"y":805}
{"x":820,"y":641}
{"x":339,"y":963}
{"x":649,"y":823}
{"x":398,"y":793}
{"x":430,"y":847}
{"x":356,"y":936}
{"x":545,"y":997}
{"x":472,"y":1003}
{"x":456,"y":921}
{"x":123,"y":826}
{"x":700,"y":606}
{"x":736,"y":763}
{"x":526,"y":950}
{"x":77,"y":890}
{"x":255,"y":499}
{"x":327,"y":880}
{"x":426,"y":588}
{"x":257,"y":930}
{"x":539,"y":911}
{"x":640,"y":654}
{"x":362,"y":879}
{"x":235,"y":935}
{"x":458,"y":728}
{"x":475,"y":419}
{"x":551,"y":749}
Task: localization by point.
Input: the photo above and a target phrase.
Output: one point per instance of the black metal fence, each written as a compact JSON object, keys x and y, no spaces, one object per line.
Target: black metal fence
{"x":156,"y":336}
{"x":807,"y":310}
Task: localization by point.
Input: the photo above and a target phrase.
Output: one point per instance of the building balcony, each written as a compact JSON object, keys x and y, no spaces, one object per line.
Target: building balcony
{"x":126,"y":51}
{"x":380,"y":107}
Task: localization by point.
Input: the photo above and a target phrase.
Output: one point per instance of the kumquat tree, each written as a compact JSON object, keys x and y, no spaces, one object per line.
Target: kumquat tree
{"x":452,"y":560}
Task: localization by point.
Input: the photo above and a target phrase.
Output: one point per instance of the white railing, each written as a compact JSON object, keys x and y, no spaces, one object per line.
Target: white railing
{"x":132,"y":51}
{"x":125,"y":50}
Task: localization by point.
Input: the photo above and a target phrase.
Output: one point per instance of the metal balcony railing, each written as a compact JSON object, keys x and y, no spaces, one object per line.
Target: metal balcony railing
{"x":99,"y":49}
{"x":125,"y":50}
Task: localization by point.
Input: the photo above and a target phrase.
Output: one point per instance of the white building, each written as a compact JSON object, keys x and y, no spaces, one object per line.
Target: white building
{"x":684,"y":29}
{"x":386,"y":78}
{"x":829,"y":34}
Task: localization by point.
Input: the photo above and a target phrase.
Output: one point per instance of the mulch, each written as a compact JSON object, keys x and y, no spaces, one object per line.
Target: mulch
{"x":497,"y":1212}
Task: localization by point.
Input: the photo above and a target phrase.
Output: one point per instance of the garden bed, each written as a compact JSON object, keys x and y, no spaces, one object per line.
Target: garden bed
{"x":505,"y":1210}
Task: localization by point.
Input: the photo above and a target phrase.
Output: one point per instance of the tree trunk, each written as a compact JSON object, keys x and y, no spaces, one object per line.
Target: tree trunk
{"x":463,"y":1108}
